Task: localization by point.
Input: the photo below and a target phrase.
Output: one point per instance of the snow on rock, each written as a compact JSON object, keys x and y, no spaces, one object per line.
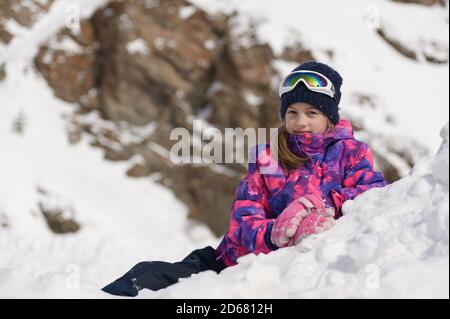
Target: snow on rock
{"x":27,"y":45}
{"x":186,"y":12}
{"x":137,"y":46}
{"x":392,"y":242}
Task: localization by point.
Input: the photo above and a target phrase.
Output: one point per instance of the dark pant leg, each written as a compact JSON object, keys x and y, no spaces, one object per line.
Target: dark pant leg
{"x":155,"y":275}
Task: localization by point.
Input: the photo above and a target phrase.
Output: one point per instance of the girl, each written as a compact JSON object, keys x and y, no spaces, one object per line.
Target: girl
{"x":320,"y":165}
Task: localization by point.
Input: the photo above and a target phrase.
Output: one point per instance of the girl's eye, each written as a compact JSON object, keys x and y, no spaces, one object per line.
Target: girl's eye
{"x":312,"y":113}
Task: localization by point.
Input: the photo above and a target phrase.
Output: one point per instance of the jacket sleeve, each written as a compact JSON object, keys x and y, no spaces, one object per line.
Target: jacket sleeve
{"x":359,"y":177}
{"x":251,"y":220}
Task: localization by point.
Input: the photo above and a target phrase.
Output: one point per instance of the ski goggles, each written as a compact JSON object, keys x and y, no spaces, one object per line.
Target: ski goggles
{"x":314,"y":81}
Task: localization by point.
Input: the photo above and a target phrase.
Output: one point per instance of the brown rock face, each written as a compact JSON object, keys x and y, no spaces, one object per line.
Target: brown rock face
{"x":151,"y":59}
{"x":166,"y":65}
{"x":71,"y":73}
{"x":58,"y":215}
{"x":2,"y":72}
{"x":57,"y":223}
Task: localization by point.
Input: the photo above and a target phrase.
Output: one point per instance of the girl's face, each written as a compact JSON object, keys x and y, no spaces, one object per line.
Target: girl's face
{"x":305,"y":118}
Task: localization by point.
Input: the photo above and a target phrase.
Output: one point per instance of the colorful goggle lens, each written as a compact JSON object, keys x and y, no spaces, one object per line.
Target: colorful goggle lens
{"x":312,"y":79}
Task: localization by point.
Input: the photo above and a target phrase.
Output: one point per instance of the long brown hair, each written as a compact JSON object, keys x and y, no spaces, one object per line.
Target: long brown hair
{"x":285,"y":157}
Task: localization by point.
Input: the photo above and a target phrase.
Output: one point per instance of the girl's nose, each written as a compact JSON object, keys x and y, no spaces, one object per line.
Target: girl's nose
{"x":302,"y":121}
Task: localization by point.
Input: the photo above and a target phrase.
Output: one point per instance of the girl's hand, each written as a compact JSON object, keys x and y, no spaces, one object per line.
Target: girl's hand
{"x":316,"y":222}
{"x":286,"y":224}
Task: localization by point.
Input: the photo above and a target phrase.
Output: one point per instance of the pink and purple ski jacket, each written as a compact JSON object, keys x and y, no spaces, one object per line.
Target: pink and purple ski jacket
{"x":340,"y":168}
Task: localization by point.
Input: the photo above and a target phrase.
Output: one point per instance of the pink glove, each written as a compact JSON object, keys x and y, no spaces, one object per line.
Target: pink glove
{"x":287,"y":222}
{"x":316,"y":222}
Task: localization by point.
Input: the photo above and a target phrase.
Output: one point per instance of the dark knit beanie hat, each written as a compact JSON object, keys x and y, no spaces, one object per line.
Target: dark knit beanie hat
{"x":323,"y":102}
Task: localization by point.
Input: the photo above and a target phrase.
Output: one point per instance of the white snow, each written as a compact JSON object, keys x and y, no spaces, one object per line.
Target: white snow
{"x":162,"y":42}
{"x":137,"y":46}
{"x":120,"y":217}
{"x":209,"y":44}
{"x":186,"y":12}
{"x":66,"y":44}
{"x":252,"y":99}
{"x":13,"y":27}
{"x":26,"y":46}
{"x":390,"y":243}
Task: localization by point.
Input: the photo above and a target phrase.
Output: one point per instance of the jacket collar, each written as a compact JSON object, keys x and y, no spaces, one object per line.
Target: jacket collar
{"x":308,"y":144}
